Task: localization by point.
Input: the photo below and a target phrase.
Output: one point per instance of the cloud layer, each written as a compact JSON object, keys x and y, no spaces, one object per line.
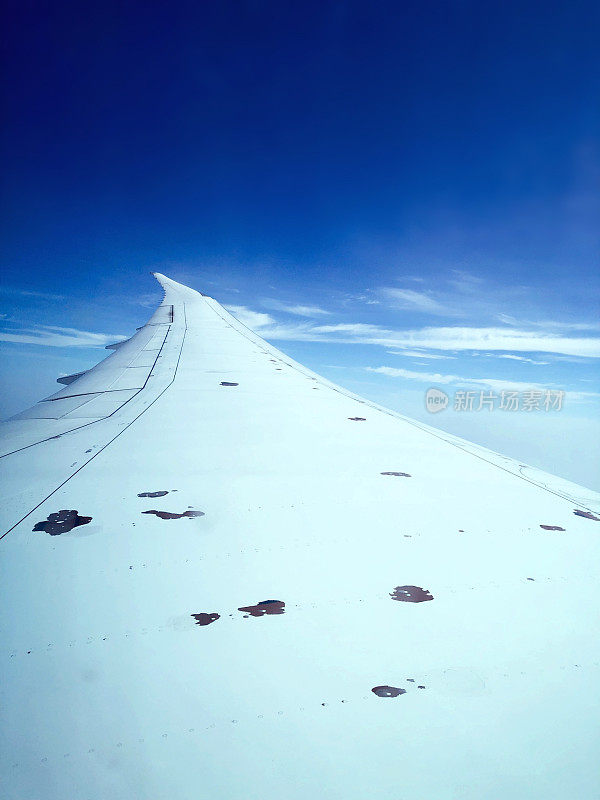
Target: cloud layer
{"x":436,"y":338}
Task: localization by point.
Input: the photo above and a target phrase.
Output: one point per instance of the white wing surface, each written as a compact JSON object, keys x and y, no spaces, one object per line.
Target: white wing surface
{"x":155,"y":503}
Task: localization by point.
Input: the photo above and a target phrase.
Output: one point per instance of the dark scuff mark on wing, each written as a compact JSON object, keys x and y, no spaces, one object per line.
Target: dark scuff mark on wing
{"x":398,"y":474}
{"x":263,"y":608}
{"x":411,"y":594}
{"x":228,"y":383}
{"x":387,"y":691}
{"x":586,"y":514}
{"x":552,"y":527}
{"x":205,"y":619}
{"x":171,"y":515}
{"x":152,"y":494}
{"x":357,"y":419}
{"x":61,"y":522}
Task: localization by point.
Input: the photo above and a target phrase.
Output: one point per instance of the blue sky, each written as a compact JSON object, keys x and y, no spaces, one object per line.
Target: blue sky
{"x":398,"y":195}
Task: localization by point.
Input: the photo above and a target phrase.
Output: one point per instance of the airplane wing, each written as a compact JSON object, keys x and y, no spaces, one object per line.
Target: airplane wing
{"x":225,"y":578}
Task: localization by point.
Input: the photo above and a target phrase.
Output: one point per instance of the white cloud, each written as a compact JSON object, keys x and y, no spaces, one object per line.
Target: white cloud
{"x":425,"y":377}
{"x":297,"y":310}
{"x":253,"y":319}
{"x":468,"y":296}
{"x":417,"y":301}
{"x":358,"y":328}
{"x":568,"y":326}
{"x":522,"y":358}
{"x":507,"y":319}
{"x":464,"y":281}
{"x":418,"y":354}
{"x":495,"y":384}
{"x":549,"y":324}
{"x":56,"y":336}
{"x":510,"y":339}
{"x":29,"y":293}
{"x":448,"y":338}
{"x":442,"y":338}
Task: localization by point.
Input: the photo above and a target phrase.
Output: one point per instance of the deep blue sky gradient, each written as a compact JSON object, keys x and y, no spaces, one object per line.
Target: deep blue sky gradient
{"x":279,"y":132}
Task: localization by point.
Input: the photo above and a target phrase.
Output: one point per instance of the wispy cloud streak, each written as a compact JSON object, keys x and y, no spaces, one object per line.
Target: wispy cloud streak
{"x":295,"y":309}
{"x":495,"y":384}
{"x":442,"y":338}
{"x":8,"y":290}
{"x":56,"y":336}
{"x":417,"y":301}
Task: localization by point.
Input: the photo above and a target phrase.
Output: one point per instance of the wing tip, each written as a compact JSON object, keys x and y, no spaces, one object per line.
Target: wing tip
{"x":169,"y":282}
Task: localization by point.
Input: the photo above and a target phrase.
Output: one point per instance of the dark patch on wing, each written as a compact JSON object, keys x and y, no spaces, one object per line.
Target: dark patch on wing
{"x":61,"y":522}
{"x":205,"y":619}
{"x":357,"y":419}
{"x":264,"y":607}
{"x":552,"y":527}
{"x":398,"y":474}
{"x":171,"y":515}
{"x":152,"y":494}
{"x":411,"y":594}
{"x":586,"y":514}
{"x":387,"y":691}
{"x":228,"y":383}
